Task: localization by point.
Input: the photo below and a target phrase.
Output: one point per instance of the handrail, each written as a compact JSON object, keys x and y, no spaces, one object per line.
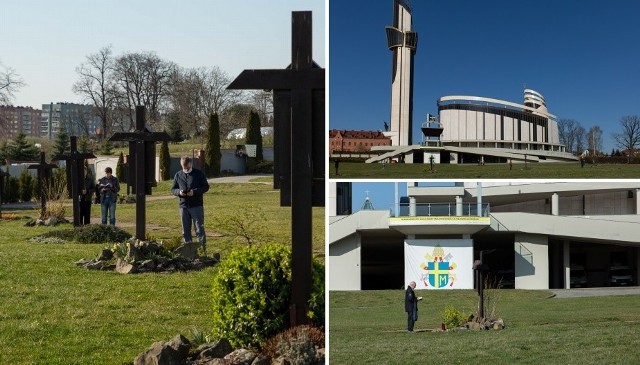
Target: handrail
{"x":445,"y":209}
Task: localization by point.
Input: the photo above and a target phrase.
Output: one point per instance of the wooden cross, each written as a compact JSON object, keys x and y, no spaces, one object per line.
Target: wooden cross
{"x":3,"y":175}
{"x":75,"y":175}
{"x":142,"y":145}
{"x":44,"y":177}
{"x":299,"y":143}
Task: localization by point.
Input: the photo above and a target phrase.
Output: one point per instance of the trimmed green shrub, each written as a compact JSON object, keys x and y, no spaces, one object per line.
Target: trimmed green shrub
{"x":25,"y":186}
{"x":212,"y":154}
{"x":165,"y":161}
{"x":252,"y":294}
{"x":92,"y":233}
{"x":262,"y":167}
{"x":12,"y":192}
{"x":120,"y":168}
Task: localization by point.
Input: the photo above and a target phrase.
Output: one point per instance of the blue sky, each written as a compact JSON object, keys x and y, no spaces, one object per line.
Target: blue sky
{"x":44,"y":41}
{"x":382,"y":194}
{"x":581,"y":55}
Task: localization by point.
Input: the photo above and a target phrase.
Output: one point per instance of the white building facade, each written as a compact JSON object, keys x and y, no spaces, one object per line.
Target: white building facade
{"x":533,"y":236}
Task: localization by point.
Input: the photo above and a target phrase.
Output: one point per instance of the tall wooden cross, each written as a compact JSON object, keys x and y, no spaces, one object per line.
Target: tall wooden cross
{"x":142,"y":147}
{"x":75,"y":175}
{"x":299,"y":128}
{"x":3,"y":175}
{"x":44,"y":178}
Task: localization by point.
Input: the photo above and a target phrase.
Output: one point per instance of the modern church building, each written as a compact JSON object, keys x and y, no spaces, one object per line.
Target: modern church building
{"x":530,"y":235}
{"x":467,"y":129}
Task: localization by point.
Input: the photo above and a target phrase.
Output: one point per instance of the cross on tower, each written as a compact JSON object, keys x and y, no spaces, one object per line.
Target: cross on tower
{"x":44,"y":177}
{"x":142,"y":148}
{"x":75,"y":175}
{"x":299,"y":142}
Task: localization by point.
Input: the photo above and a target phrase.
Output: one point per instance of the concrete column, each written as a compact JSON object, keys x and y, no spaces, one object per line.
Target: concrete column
{"x":637,"y":265}
{"x":479,"y":199}
{"x":396,"y":202}
{"x":531,"y":258}
{"x":567,"y":264}
{"x":637,"y":194}
{"x":458,"y":206}
{"x":555,"y":208}
{"x":412,"y":206}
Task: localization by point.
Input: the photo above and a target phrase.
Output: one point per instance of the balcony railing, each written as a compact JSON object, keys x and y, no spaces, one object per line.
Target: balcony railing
{"x":445,"y":209}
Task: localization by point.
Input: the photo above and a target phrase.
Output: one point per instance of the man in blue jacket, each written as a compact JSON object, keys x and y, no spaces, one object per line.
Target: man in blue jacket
{"x":189,"y":185}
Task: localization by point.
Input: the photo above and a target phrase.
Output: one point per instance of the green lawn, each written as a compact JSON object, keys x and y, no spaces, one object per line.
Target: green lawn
{"x":489,"y":171}
{"x":52,"y":312}
{"x":369,"y":327}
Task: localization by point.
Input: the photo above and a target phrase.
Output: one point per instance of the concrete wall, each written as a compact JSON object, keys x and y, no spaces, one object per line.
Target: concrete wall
{"x":463,"y":125}
{"x":609,"y":203}
{"x":344,"y":261}
{"x":531,"y":261}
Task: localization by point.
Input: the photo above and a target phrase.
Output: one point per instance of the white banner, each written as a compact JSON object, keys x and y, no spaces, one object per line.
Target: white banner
{"x":439,"y":264}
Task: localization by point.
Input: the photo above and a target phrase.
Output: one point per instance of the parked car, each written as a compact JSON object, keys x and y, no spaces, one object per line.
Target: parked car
{"x":578,"y":277}
{"x":620,"y":276}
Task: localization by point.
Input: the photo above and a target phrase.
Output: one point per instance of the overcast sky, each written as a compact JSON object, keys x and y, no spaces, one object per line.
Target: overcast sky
{"x":44,"y":41}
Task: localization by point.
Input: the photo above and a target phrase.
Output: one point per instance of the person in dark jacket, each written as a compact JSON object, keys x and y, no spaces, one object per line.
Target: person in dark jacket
{"x":411,"y":305}
{"x":109,"y":186}
{"x":88,"y":189}
{"x":189,"y":185}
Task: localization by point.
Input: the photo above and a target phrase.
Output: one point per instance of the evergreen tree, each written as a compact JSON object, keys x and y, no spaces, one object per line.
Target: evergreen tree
{"x":212,"y":154}
{"x":3,"y":152}
{"x":19,"y":149}
{"x":12,"y":190}
{"x":107,"y":148}
{"x":83,"y":145}
{"x":61,"y":145}
{"x":174,"y":127}
{"x":25,"y":186}
{"x":253,"y":134}
{"x":165,"y":161}
{"x":120,"y":167}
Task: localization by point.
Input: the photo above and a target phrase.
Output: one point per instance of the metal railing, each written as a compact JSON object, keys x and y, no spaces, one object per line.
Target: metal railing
{"x":445,"y":209}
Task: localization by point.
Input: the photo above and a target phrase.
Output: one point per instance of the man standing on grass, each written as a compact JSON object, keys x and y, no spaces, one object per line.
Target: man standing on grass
{"x":108,"y":186}
{"x":411,"y":305}
{"x":189,"y":185}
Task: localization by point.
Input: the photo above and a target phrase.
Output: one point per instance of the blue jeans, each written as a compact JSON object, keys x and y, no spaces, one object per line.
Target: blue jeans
{"x":108,"y":206}
{"x":195,"y":215}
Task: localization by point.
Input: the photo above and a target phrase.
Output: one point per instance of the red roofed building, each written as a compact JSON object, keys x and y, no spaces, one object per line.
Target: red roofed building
{"x":355,"y":141}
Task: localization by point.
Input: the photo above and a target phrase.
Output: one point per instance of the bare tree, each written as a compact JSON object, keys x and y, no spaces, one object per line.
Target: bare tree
{"x":235,"y":117}
{"x":142,"y":79}
{"x":594,"y":141}
{"x":96,"y":85}
{"x":10,"y":83}
{"x":198,"y":92}
{"x":579,"y":139}
{"x":629,"y":138}
{"x":567,"y":130}
{"x":186,"y":99}
{"x":217,"y":98}
{"x":262,"y":101}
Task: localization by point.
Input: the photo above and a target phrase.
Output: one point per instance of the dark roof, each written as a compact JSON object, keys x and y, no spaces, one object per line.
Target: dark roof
{"x":351,"y":134}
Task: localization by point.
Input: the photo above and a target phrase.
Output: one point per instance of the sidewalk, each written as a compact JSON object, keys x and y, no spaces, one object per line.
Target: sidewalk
{"x":242,"y":179}
{"x":595,"y":292}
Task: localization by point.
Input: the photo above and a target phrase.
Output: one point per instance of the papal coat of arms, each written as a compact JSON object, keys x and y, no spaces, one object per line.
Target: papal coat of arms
{"x":438,"y":269}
